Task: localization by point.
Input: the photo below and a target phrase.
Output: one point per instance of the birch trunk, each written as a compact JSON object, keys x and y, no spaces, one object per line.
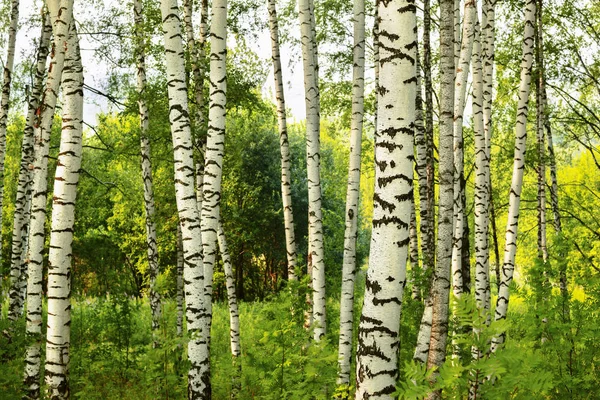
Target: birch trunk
{"x":541,"y":142}
{"x":211,"y":189}
{"x":197,"y":51}
{"x":234,"y":319}
{"x":189,"y":218}
{"x":441,"y":279}
{"x":421,"y":171}
{"x":378,"y":332}
{"x":313,"y":160}
{"x":482,"y":170}
{"x":17,"y":273}
{"x":58,"y":336}
{"x":512,"y":225}
{"x":427,"y":197}
{"x":462,"y":75}
{"x":413,"y":254}
{"x":152,"y":251}
{"x":286,"y":192}
{"x":180,"y":285}
{"x":43,"y":116}
{"x":31,"y":378}
{"x":352,"y":197}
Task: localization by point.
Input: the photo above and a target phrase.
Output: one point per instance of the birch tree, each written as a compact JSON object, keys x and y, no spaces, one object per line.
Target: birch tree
{"x":58,"y":336}
{"x":313,"y":159}
{"x":352,"y":197}
{"x":152,"y":250}
{"x":462,"y":75}
{"x":441,"y":279}
{"x":234,"y":319}
{"x":211,"y":191}
{"x":31,"y":376}
{"x":16,"y":272}
{"x":189,"y":218}
{"x":378,"y":332}
{"x":286,"y":185}
{"x":512,"y":225}
{"x":43,"y":115}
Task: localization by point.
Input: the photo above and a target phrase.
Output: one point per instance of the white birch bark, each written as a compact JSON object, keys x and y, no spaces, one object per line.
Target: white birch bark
{"x":460,"y":89}
{"x":234,"y":319}
{"x":352,"y":197}
{"x":211,"y":191}
{"x":44,"y":115}
{"x":421,"y":171}
{"x":58,"y":336}
{"x":482,"y":169}
{"x":541,"y":143}
{"x":286,"y":192}
{"x":441,"y":279}
{"x":152,"y":250}
{"x":31,"y":377}
{"x":180,"y":286}
{"x":313,"y":159}
{"x":457,"y":32}
{"x":196,"y":51}
{"x":17,"y":274}
{"x":413,"y":248}
{"x":189,"y":218}
{"x":512,"y":225}
{"x":378,"y":332}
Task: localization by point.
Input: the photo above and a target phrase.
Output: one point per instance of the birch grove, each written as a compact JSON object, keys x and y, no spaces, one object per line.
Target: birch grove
{"x":265,"y":203}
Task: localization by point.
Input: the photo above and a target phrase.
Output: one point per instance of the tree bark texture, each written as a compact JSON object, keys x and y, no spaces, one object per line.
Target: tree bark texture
{"x":313,"y":158}
{"x":378,"y":332}
{"x":31,"y":376}
{"x":68,"y":165}
{"x":352,"y":197}
{"x":284,"y":146}
{"x":460,"y":84}
{"x":512,"y":225}
{"x":189,"y":218}
{"x":17,"y":273}
{"x":152,"y":250}
{"x":441,"y":279}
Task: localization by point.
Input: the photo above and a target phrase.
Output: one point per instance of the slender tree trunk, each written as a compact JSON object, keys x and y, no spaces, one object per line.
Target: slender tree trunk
{"x":180,"y":286}
{"x":196,"y":50}
{"x":286,"y":185}
{"x":211,"y":189}
{"x":189,"y":218}
{"x":17,"y":274}
{"x":234,"y":319}
{"x":352,"y":197}
{"x":482,"y":253}
{"x":457,"y":32}
{"x":541,"y":142}
{"x":512,"y":225}
{"x":147,"y":167}
{"x":43,"y":115}
{"x":413,"y":254}
{"x":441,"y":279}
{"x":421,"y":171}
{"x":34,"y":274}
{"x":313,"y":159}
{"x":462,"y":75}
{"x":488,"y":37}
{"x":63,"y":219}
{"x":482,"y":170}
{"x":427,"y":199}
{"x":378,"y":332}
